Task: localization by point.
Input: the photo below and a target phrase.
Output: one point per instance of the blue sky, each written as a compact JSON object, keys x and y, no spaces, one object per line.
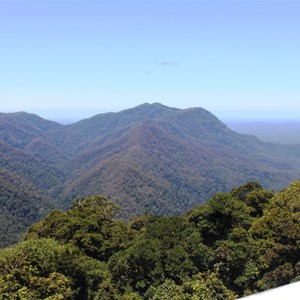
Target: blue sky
{"x":73,"y":59}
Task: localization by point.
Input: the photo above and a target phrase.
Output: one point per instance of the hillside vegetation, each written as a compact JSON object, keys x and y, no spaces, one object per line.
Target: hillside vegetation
{"x":150,"y":158}
{"x":238,"y":243}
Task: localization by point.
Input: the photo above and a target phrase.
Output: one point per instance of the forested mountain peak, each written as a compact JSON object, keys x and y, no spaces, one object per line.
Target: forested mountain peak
{"x":148,"y":158}
{"x":108,"y":122}
{"x":150,"y":110}
{"x":27,"y":119}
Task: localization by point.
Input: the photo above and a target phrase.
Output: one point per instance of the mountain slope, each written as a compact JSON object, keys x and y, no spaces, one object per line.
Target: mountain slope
{"x":148,"y":158}
{"x":24,"y":163}
{"x":31,"y":133}
{"x":146,"y":167}
{"x":21,"y":205}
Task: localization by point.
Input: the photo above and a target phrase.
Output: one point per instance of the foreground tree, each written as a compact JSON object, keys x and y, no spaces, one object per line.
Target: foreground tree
{"x":36,"y":270}
{"x":203,"y":286}
{"x":89,"y":225}
{"x":238,"y":243}
{"x":278,"y":235}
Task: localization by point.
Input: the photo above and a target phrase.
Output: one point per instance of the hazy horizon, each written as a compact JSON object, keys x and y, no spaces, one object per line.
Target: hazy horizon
{"x":233,"y":118}
{"x":74,"y":59}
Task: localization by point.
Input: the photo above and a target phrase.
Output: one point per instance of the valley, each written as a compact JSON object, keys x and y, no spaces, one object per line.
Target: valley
{"x":151,"y":158}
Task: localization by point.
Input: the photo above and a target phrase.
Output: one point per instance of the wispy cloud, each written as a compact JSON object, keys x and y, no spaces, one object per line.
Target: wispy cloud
{"x":167,"y":63}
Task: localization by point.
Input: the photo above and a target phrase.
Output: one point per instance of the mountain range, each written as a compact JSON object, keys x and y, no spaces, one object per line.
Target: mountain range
{"x":150,"y":158}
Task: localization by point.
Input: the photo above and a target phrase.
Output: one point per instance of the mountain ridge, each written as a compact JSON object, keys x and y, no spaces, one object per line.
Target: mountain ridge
{"x":149,"y":158}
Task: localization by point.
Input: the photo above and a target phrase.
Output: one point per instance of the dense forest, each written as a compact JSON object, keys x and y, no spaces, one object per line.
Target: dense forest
{"x":150,"y":158}
{"x":238,"y":243}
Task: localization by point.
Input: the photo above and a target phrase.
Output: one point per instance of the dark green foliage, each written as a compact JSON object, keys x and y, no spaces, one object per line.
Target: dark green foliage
{"x":236,"y":244}
{"x":138,"y":266}
{"x":88,"y":225}
{"x":216,"y":219}
{"x":278,"y":235}
{"x":203,"y":286}
{"x":35,"y":270}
